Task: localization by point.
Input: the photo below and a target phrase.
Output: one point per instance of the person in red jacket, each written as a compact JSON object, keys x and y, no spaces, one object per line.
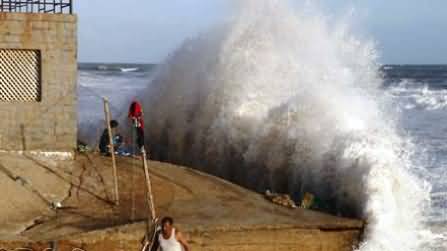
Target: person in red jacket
{"x":135,"y":115}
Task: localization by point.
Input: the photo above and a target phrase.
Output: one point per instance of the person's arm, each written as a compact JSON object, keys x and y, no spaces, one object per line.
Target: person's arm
{"x":182,"y":240}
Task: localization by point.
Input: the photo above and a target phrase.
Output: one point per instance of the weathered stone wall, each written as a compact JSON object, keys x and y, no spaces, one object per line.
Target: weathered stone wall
{"x":48,"y":125}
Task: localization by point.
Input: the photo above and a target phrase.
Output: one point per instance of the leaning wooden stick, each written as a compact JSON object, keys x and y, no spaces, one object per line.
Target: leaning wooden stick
{"x":111,"y":148}
{"x":149,"y":197}
{"x":152,"y":221}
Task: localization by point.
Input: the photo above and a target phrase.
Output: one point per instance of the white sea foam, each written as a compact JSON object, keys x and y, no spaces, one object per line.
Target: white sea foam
{"x":419,"y":96}
{"x":283,"y":100}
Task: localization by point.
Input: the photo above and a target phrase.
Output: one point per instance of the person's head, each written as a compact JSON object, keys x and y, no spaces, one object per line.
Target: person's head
{"x":113,"y":123}
{"x":135,"y":109}
{"x":167,"y":224}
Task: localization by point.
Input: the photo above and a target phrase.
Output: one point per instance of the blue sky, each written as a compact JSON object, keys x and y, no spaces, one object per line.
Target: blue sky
{"x":406,"y":31}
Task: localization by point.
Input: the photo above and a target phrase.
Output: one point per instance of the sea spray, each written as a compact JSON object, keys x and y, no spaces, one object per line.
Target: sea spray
{"x":282,"y":100}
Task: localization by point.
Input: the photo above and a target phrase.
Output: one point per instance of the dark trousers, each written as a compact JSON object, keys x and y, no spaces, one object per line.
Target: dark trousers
{"x":140,"y":137}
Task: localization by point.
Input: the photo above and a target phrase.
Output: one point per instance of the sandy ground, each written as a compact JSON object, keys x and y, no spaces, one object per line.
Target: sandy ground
{"x":199,"y":202}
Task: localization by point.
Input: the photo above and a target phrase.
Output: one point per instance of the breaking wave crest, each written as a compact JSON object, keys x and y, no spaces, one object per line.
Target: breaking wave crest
{"x":422,"y":97}
{"x":283,"y":100}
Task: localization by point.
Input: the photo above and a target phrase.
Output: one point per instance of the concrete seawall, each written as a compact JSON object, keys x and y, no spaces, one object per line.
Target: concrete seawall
{"x":214,"y":214}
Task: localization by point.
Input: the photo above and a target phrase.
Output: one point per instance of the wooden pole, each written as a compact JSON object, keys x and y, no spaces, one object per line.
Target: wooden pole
{"x":152,"y":221}
{"x":111,"y":149}
{"x":149,"y":197}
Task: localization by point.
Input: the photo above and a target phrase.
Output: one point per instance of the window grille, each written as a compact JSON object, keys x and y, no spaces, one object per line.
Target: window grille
{"x":20,"y":75}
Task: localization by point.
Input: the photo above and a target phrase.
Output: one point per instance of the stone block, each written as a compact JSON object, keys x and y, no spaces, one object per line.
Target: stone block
{"x":40,"y":26}
{"x":14,"y":39}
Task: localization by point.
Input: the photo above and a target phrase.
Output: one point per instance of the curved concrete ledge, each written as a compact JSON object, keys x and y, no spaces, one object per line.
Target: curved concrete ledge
{"x":214,"y":214}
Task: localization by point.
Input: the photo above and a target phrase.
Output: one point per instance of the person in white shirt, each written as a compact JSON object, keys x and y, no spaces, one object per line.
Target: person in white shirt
{"x":170,"y":238}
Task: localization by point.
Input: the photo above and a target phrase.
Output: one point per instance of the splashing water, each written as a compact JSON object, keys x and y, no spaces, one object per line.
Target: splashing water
{"x":420,"y":97}
{"x":283,"y":100}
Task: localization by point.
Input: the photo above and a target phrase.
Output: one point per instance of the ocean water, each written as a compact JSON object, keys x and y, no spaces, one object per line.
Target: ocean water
{"x":119,"y":83}
{"x":295,"y":103}
{"x":420,"y":95}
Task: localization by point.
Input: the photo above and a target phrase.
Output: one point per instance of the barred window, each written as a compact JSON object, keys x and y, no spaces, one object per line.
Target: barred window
{"x":20,"y":78}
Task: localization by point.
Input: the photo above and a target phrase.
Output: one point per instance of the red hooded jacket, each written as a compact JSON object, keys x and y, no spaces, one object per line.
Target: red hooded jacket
{"x":136,"y":114}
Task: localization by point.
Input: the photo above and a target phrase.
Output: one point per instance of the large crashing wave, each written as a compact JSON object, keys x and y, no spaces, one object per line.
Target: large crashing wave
{"x":285,"y":101}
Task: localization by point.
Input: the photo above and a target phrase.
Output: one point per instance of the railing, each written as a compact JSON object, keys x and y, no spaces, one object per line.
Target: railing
{"x":37,"y":6}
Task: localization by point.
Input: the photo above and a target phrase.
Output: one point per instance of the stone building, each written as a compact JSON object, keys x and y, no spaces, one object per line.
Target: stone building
{"x":38,"y":75}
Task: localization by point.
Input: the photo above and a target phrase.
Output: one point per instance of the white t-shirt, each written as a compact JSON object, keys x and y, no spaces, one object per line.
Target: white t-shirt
{"x":171,"y":244}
